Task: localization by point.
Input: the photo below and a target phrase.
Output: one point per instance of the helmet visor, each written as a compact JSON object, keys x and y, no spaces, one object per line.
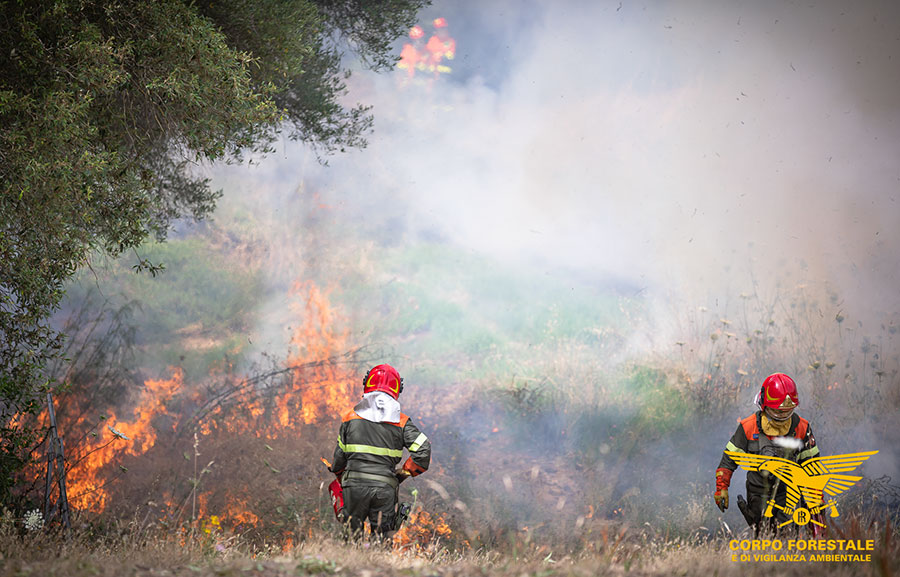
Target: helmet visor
{"x":779,"y":414}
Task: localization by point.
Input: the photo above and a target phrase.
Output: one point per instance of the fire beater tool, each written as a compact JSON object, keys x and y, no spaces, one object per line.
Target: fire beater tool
{"x":337,"y":494}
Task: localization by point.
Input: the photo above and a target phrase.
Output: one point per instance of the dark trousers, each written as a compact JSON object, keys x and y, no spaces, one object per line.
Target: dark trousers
{"x":757,"y":504}
{"x":375,"y":503}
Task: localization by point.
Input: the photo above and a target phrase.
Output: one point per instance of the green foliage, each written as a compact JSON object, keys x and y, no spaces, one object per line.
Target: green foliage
{"x":662,"y":406}
{"x":106,"y":105}
{"x":13,"y":455}
{"x":193,"y":316}
{"x":443,"y":306}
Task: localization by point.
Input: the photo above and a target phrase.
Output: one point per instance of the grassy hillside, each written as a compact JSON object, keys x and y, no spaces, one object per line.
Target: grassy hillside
{"x":576,"y":425}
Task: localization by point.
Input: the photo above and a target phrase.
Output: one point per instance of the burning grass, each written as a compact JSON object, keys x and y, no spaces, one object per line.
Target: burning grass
{"x":549,"y":456}
{"x":561,"y":448}
{"x":232,"y":448}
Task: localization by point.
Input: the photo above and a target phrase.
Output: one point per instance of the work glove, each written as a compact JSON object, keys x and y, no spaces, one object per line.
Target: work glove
{"x":402,"y":475}
{"x":723,"y":480}
{"x":721,"y":496}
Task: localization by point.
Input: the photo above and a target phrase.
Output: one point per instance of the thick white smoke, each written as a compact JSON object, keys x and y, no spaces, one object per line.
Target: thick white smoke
{"x":693,"y":149}
{"x":684,"y":152}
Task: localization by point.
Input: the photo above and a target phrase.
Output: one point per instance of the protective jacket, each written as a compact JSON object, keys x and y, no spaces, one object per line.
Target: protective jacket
{"x":365,"y":460}
{"x":749,"y":438}
{"x":376,"y":449}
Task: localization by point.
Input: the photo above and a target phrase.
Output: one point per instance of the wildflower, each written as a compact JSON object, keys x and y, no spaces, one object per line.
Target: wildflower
{"x":117,"y":432}
{"x":34,"y":521}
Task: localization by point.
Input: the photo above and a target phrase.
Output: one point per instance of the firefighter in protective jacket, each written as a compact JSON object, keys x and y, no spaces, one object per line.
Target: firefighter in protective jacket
{"x":776,"y":431}
{"x":370,"y":445}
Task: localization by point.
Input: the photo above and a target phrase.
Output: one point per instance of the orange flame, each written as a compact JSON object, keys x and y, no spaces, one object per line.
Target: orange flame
{"x":324,"y":388}
{"x":319,"y":389}
{"x":420,"y":531}
{"x":86,"y":480}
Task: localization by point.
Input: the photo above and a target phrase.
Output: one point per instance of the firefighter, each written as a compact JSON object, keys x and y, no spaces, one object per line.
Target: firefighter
{"x":760,"y":434}
{"x":413,"y":54}
{"x":440,"y":47}
{"x":370,"y":445}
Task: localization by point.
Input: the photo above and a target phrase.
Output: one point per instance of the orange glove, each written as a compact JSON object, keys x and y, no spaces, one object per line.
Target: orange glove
{"x":723,"y":480}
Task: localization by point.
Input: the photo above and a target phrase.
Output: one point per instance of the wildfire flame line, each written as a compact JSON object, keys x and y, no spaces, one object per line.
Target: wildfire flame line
{"x":315,"y":383}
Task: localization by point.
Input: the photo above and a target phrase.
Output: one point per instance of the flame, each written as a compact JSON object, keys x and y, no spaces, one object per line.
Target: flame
{"x":319,"y":389}
{"x":239,"y":512}
{"x":86,"y":479}
{"x":153,"y":399}
{"x":420,"y":530}
{"x":288,"y":544}
{"x":323,"y":387}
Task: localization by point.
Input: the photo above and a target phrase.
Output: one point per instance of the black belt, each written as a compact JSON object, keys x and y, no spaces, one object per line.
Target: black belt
{"x":392,"y":481}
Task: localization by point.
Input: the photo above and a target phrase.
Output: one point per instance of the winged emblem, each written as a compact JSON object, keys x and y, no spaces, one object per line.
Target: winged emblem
{"x":811,"y":480}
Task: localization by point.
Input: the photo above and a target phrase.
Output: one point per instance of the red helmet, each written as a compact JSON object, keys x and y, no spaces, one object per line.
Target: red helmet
{"x":778,"y":396}
{"x":383,"y":378}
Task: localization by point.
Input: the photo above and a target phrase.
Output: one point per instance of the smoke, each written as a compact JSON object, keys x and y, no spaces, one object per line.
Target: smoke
{"x":711,"y":149}
{"x":681,"y":154}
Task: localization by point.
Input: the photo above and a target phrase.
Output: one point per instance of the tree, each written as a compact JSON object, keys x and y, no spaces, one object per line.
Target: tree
{"x":106,"y":105}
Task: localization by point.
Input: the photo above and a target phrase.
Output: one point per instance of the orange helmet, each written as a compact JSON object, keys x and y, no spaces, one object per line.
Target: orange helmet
{"x":383,"y":378}
{"x":778,"y":396}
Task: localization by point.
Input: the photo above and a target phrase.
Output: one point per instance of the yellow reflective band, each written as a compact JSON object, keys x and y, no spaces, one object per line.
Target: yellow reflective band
{"x":809,"y":453}
{"x":418,"y":443}
{"x":385,"y":452}
{"x":731,"y":447}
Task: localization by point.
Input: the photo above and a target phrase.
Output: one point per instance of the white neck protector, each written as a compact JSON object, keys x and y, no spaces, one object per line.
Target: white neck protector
{"x":378,"y":407}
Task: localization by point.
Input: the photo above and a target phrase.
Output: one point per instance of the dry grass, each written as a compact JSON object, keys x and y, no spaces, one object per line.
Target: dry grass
{"x":44,"y":555}
{"x":565,"y":467}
